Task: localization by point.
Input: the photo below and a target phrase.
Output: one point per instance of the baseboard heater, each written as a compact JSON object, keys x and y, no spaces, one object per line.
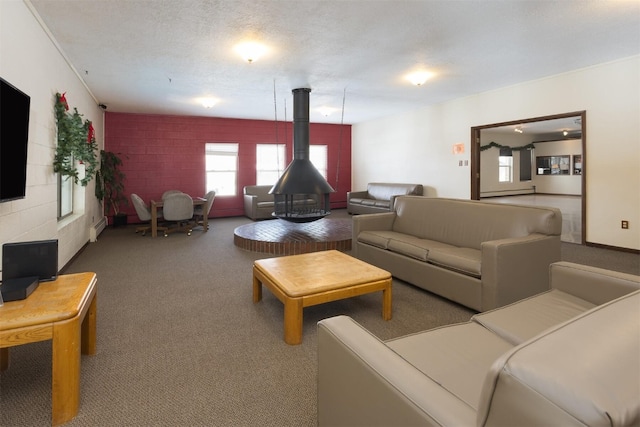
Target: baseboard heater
{"x":509,"y":192}
{"x":97,"y":228}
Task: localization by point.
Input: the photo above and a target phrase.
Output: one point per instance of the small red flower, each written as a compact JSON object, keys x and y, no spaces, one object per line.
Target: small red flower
{"x":90,"y":133}
{"x":63,"y":101}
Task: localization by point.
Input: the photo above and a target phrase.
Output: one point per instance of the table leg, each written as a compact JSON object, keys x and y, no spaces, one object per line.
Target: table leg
{"x":154,"y":219}
{"x":257,"y":288}
{"x":293,"y":321}
{"x":65,"y":396}
{"x":88,"y":330}
{"x":4,"y":359}
{"x":386,"y":302}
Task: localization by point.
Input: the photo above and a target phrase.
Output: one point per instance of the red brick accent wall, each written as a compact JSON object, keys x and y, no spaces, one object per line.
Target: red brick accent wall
{"x":162,"y":152}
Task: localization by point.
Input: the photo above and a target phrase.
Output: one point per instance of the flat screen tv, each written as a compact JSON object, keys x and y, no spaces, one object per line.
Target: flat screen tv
{"x":14,"y":136}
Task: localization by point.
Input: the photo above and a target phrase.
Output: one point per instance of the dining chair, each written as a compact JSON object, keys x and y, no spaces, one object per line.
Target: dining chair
{"x":200,"y":211}
{"x":144,"y":214}
{"x":169,"y":193}
{"x":178,"y":209}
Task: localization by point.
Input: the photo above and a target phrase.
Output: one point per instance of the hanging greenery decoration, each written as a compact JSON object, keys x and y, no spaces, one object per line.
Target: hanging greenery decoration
{"x":495,"y":144}
{"x":76,"y":142}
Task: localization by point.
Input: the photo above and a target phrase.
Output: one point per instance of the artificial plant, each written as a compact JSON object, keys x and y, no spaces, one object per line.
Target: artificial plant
{"x":76,"y":143}
{"x":110,"y":182}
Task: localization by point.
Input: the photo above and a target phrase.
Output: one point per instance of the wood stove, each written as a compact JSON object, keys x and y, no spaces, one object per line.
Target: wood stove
{"x":301,"y":194}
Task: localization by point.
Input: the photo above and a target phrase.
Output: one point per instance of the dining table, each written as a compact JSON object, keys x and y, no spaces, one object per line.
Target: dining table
{"x":155,"y":205}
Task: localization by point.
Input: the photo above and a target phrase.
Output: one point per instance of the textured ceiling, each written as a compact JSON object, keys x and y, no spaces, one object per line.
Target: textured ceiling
{"x":161,"y":57}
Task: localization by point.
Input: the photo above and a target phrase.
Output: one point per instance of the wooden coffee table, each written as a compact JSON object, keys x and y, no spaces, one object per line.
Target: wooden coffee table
{"x":63,"y":311}
{"x":314,"y":278}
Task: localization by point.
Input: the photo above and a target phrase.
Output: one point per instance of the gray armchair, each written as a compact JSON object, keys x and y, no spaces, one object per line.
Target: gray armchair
{"x":258,"y":203}
{"x":199,"y":212}
{"x":169,"y":193}
{"x":144,"y":214}
{"x":178,"y":209}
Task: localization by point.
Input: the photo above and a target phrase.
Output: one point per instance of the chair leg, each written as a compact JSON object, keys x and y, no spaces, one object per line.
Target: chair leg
{"x":143,"y":229}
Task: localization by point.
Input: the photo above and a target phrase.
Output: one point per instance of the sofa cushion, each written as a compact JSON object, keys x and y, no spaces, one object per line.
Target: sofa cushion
{"x":382,"y":203}
{"x":457,"y":357}
{"x":412,"y":246}
{"x":522,"y":320}
{"x":464,"y":260}
{"x":379,"y":239}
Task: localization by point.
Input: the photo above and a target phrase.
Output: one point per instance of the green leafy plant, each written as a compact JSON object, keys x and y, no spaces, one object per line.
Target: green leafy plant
{"x":110,"y":182}
{"x":76,"y":143}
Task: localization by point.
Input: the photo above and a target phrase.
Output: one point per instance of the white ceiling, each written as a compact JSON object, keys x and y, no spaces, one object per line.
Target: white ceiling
{"x":161,"y":56}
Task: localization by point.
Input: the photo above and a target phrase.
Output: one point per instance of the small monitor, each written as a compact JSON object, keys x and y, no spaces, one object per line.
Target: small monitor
{"x":26,"y":259}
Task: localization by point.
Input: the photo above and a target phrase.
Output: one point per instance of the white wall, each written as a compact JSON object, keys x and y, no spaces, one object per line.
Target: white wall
{"x":30,"y":61}
{"x":558,"y":184}
{"x":418,"y":146}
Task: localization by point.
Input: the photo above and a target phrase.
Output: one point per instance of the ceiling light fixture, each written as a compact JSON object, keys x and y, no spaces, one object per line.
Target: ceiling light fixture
{"x":251,"y":51}
{"x":326,"y":111}
{"x":419,"y":77}
{"x":518,"y":129}
{"x":565,"y":133}
{"x":208,"y":102}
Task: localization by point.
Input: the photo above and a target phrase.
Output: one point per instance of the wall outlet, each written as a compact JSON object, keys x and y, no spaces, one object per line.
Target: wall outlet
{"x":625,"y":224}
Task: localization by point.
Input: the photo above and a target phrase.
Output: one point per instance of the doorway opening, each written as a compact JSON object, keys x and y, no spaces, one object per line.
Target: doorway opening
{"x":534,"y":132}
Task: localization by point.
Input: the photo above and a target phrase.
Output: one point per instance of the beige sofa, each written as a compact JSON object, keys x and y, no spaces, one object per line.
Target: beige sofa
{"x":566,"y":357}
{"x":482,"y":255}
{"x":379,"y":197}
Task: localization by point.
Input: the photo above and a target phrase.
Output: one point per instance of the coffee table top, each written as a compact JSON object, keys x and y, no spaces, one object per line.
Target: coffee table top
{"x":305,"y":274}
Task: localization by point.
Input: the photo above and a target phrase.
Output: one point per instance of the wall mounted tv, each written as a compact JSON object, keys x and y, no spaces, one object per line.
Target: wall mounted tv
{"x":14,"y":136}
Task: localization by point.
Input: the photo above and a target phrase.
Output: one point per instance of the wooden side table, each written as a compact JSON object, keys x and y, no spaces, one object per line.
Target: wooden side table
{"x":63,"y":311}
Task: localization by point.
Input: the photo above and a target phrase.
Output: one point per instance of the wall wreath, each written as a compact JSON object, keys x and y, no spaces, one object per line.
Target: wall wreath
{"x":76,"y":143}
{"x":495,"y":144}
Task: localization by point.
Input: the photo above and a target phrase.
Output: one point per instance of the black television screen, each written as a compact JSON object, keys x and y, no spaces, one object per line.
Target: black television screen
{"x":14,"y":136}
{"x":26,"y":259}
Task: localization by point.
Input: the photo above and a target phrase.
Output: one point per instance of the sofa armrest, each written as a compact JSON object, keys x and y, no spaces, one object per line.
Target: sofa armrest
{"x":251,"y":205}
{"x":361,"y":381}
{"x":357,"y":194}
{"x":592,"y":284}
{"x":377,"y":221}
{"x":516,"y":268}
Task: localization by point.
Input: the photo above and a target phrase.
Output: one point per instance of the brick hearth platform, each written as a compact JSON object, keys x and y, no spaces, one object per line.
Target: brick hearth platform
{"x":280,"y":237}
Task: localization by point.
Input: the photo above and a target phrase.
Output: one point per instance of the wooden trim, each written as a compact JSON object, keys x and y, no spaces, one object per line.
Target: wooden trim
{"x":613,"y":248}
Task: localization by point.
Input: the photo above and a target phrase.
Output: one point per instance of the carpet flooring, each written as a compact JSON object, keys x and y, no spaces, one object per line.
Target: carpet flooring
{"x":180,"y":342}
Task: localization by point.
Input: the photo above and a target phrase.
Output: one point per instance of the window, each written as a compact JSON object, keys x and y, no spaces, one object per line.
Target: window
{"x":221,"y":163}
{"x":65,"y":196}
{"x":505,"y":169}
{"x":318,"y":156}
{"x":270,"y":163}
